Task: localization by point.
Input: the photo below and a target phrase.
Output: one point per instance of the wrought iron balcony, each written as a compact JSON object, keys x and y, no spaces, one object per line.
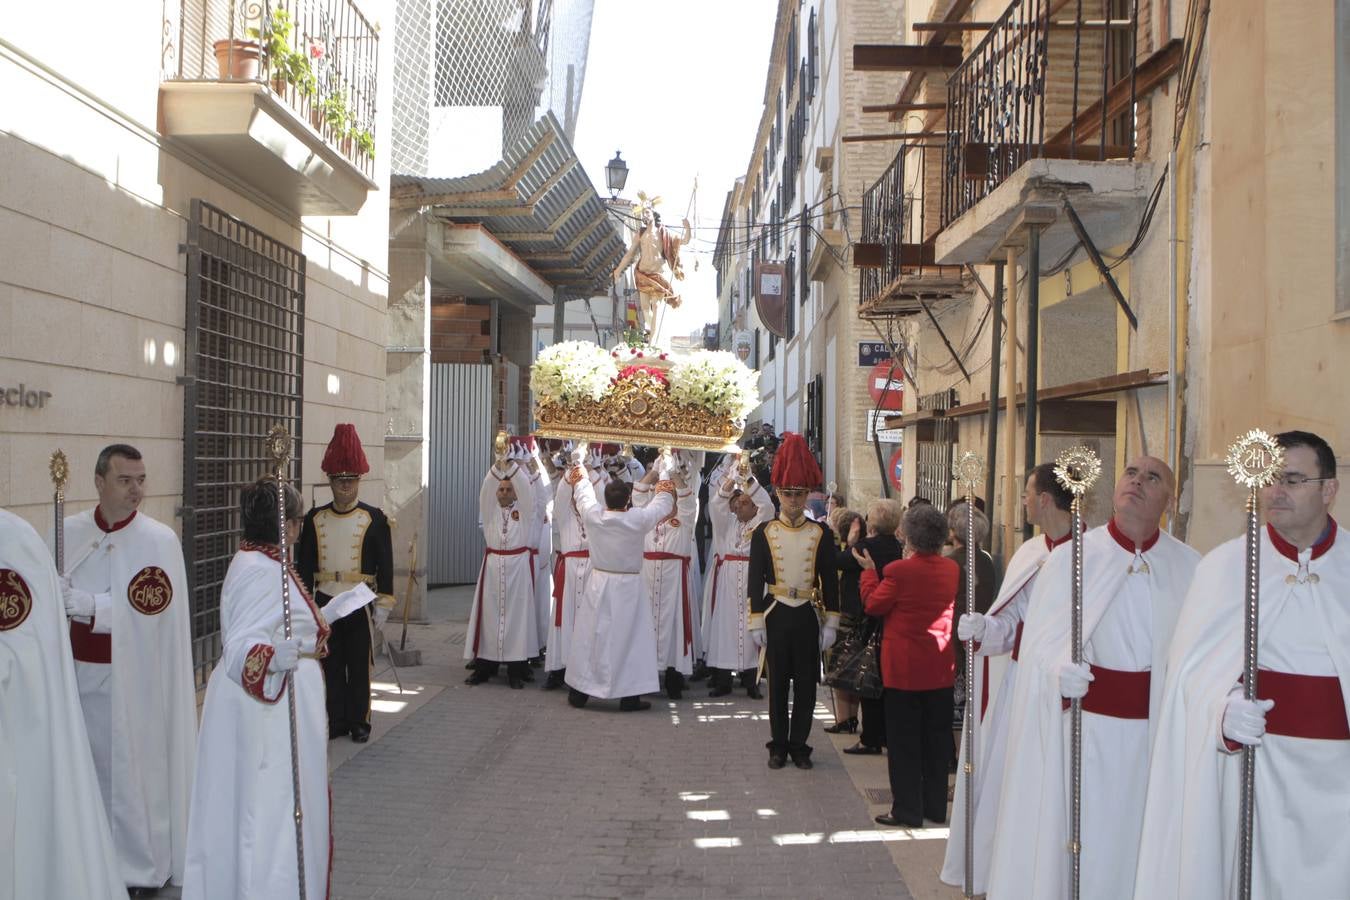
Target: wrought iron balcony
{"x":308,"y":66}
{"x":899,"y":224}
{"x":1050,"y":79}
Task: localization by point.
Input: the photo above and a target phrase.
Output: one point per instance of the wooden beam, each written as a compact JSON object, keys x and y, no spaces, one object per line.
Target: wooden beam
{"x":552,"y":180}
{"x":1058,"y":25}
{"x":488,"y":211}
{"x":1151,"y":73}
{"x":580,"y":201}
{"x":903,"y":107}
{"x":869,"y":256}
{"x":519,"y":172}
{"x":905,"y":58}
{"x":910,"y":89}
{"x":898,"y":136}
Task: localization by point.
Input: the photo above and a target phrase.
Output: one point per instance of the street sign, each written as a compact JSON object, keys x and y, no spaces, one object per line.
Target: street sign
{"x":887,"y":380}
{"x":876,"y":426}
{"x":870,"y":353}
{"x":895,"y":469}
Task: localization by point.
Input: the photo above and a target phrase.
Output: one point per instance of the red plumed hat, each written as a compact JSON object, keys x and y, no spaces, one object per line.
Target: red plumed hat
{"x":793,"y":464}
{"x":344,"y":457}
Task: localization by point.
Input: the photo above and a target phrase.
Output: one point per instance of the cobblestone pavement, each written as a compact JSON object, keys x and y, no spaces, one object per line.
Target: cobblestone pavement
{"x":489,"y":792}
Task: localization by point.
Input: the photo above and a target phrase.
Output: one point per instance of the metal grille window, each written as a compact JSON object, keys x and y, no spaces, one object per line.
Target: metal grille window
{"x":933,"y":473}
{"x":243,"y":366}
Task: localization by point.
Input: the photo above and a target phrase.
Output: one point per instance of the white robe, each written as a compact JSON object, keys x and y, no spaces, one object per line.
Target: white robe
{"x":541,"y":539}
{"x":54,"y":836}
{"x":999,"y":673}
{"x":571,"y":573}
{"x":140,"y":711}
{"x":503,"y":623}
{"x":729,"y":644}
{"x":613,"y":651}
{"x":667,"y":583}
{"x":1136,"y":614}
{"x":241,"y":840}
{"x":1301,"y":842}
{"x":713,"y":481}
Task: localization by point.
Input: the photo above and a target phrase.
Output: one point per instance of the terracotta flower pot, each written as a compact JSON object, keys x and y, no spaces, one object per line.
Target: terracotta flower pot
{"x":238,"y":60}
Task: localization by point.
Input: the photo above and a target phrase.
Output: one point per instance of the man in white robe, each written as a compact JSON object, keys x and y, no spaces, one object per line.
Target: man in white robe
{"x":613,"y":652}
{"x":541,"y":535}
{"x":1301,"y":845}
{"x":569,"y":571}
{"x":502,"y":626}
{"x":997,"y":634}
{"x":126,"y":593}
{"x":1134,"y":580}
{"x":736,"y":511}
{"x":667,"y":557}
{"x":54,"y":837}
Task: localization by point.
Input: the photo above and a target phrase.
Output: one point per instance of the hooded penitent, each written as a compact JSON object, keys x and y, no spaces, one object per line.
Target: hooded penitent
{"x":794,"y":466}
{"x":344,"y":457}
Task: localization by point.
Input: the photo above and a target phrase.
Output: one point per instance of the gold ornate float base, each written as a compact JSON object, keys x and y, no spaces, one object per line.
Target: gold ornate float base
{"x":639,"y":410}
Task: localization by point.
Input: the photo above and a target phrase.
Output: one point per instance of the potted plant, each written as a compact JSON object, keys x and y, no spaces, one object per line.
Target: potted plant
{"x":285,"y":65}
{"x":336,"y":115}
{"x":237,"y":59}
{"x":365,"y":142}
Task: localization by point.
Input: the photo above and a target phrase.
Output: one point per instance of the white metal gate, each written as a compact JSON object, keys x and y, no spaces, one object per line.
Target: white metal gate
{"x":461,"y":450}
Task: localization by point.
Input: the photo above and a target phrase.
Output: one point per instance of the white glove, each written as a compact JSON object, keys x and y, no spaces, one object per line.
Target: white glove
{"x":1074,"y":680}
{"x":1244,"y":721}
{"x":381,"y":616}
{"x":970,"y":626}
{"x":757,"y":638}
{"x":596,"y":460}
{"x":78,"y":602}
{"x":827,"y":636}
{"x":285,"y":655}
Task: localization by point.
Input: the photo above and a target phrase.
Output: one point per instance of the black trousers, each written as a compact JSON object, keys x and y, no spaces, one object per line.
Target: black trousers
{"x":919,"y":749}
{"x":873,"y":722}
{"x":793,"y":657}
{"x":346,"y":669}
{"x":515,"y":669}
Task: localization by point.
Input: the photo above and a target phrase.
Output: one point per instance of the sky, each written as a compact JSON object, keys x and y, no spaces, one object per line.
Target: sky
{"x":678,"y":89}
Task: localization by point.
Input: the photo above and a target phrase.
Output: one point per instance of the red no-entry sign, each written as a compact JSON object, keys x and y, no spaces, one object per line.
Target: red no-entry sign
{"x":895,"y":470}
{"x":887,"y":379}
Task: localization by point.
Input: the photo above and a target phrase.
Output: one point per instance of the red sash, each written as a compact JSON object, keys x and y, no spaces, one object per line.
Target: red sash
{"x":1306,"y":706}
{"x":684,"y":592}
{"x":88,"y":647}
{"x":560,"y":578}
{"x":1121,"y":695}
{"x":482,"y":570}
{"x":717,"y":567}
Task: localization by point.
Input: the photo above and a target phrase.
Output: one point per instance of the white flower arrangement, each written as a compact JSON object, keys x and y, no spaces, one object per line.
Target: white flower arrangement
{"x":627,"y":353}
{"x":571,"y":371}
{"x":717,"y":381}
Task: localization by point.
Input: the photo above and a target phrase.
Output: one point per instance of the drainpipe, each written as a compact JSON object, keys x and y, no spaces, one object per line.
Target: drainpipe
{"x":1033,"y":347}
{"x":559,"y":314}
{"x":991,"y":449}
{"x":1010,"y":414}
{"x":1172,"y":321}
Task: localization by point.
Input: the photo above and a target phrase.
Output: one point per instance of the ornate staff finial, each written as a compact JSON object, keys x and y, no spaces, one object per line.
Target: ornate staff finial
{"x":1255,"y":460}
{"x":968,"y":471}
{"x":278,"y":442}
{"x":60,"y":470}
{"x":1077,"y":469}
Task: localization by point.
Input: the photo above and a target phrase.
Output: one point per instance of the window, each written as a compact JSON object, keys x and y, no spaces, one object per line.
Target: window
{"x":791,"y":53}
{"x":812,"y":58}
{"x":815,"y":418}
{"x":804,"y":237}
{"x":790,"y":285}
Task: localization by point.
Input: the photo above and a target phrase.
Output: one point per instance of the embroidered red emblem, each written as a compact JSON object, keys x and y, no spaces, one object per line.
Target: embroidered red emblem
{"x":674,"y":523}
{"x":16,"y":600}
{"x":150,"y":592}
{"x":515,"y":515}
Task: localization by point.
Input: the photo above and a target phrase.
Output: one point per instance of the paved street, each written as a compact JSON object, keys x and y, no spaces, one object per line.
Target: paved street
{"x":489,"y":792}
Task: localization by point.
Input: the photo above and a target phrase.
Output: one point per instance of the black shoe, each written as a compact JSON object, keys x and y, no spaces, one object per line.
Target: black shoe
{"x":360,"y":734}
{"x":861,"y":749}
{"x":554,"y":680}
{"x":674,"y":693}
{"x":802,"y":761}
{"x":848,"y":726}
{"x":777,"y":759}
{"x":337,"y":731}
{"x":634,"y":704}
{"x":478,"y":677}
{"x":753,"y":692}
{"x":720,"y":690}
{"x":891,"y":821}
{"x":527,"y":673}
{"x":537,"y":661}
{"x":142,"y":891}
{"x":516,"y":683}
{"x":577,"y":698}
{"x":701,"y":671}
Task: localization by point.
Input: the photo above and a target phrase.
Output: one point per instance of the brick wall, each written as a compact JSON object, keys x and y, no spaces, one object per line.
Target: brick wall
{"x":461,"y":330}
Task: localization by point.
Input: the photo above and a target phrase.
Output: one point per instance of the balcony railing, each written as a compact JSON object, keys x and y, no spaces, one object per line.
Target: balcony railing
{"x":320,"y":57}
{"x":1050,"y":79}
{"x":899,"y":222}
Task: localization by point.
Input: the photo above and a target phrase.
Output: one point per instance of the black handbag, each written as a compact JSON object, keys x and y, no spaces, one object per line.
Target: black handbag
{"x":856,"y":665}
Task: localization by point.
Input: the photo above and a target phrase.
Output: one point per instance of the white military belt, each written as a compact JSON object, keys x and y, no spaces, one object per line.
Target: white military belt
{"x":792,"y":596}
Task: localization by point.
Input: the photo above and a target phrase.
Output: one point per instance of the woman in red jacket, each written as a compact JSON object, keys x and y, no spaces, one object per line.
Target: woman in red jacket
{"x":915,"y":597}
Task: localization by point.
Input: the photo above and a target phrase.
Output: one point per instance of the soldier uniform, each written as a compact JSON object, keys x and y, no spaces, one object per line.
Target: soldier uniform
{"x":794,"y":604}
{"x":339,"y":549}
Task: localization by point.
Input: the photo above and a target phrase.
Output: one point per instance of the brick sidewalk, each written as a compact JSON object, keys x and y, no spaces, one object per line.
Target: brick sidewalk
{"x":489,"y":792}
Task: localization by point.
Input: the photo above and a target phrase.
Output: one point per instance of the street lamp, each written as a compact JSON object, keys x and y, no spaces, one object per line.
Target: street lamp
{"x":616,"y":174}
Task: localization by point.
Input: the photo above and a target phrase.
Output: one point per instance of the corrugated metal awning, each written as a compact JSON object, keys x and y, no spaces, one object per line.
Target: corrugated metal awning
{"x":537,"y":201}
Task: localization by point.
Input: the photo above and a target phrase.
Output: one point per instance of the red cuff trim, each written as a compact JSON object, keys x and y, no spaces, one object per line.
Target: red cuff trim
{"x":255,"y":673}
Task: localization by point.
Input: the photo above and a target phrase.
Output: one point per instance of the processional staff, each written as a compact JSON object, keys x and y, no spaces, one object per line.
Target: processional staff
{"x":968,"y":471}
{"x":279,"y":448}
{"x":1077,"y":469}
{"x":1254,"y":460}
{"x":60,"y":471}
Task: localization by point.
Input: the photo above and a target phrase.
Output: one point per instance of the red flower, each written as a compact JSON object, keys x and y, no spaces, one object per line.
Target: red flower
{"x":653,"y":371}
{"x":317,"y":50}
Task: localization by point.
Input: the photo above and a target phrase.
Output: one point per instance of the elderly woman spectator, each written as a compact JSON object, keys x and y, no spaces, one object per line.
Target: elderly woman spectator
{"x":847,"y":525}
{"x":915,"y":597}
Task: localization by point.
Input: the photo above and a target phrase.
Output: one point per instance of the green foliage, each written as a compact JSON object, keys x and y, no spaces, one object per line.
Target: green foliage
{"x":284,"y":63}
